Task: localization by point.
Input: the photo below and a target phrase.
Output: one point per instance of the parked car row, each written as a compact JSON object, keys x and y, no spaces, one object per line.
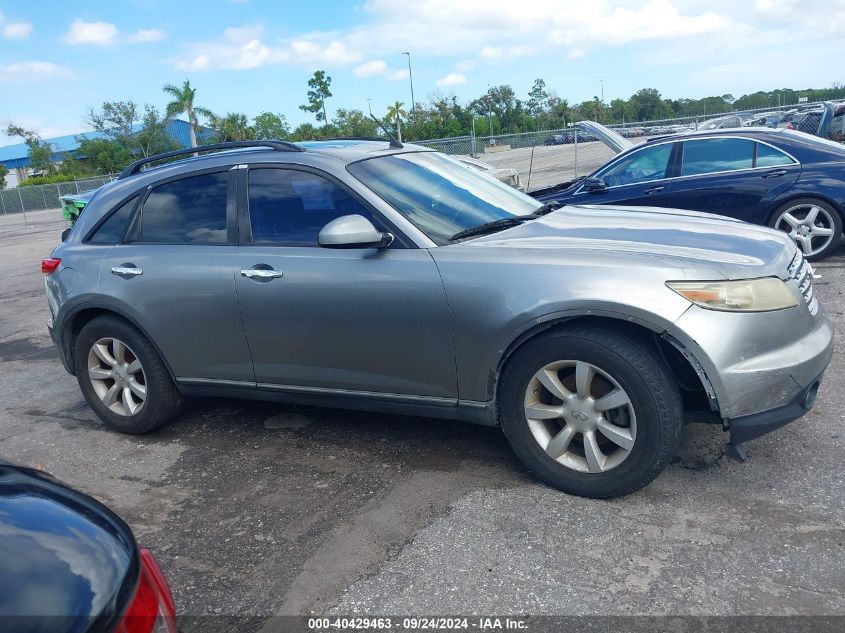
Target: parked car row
{"x":780,"y":178}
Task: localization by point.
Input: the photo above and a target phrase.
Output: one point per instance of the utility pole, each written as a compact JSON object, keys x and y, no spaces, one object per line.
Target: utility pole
{"x":601,"y":81}
{"x":411,"y":77}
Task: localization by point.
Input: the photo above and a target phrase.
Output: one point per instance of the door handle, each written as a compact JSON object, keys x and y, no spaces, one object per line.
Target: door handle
{"x":127,"y":270}
{"x":653,"y":190}
{"x":776,"y":173}
{"x":262,"y":273}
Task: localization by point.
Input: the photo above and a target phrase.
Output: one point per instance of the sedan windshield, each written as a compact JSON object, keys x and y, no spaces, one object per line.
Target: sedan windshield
{"x":439,"y":195}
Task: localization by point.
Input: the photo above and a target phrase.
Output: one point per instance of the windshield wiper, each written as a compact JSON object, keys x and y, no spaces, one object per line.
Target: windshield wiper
{"x":547,"y":208}
{"x":506,"y":223}
{"x":490,"y":227}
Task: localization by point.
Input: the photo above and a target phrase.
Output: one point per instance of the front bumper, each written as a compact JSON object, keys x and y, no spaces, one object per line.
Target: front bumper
{"x":764,"y":368}
{"x":750,"y":427}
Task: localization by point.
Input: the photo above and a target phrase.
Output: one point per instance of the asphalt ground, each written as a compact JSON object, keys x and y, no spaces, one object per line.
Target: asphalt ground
{"x":258,"y":509}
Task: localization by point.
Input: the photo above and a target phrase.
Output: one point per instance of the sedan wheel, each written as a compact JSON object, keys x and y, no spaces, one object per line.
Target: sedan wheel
{"x":812,"y":226}
{"x":580,"y":416}
{"x":117,"y":376}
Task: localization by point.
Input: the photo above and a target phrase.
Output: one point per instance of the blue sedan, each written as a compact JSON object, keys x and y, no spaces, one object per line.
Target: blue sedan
{"x":781,"y":178}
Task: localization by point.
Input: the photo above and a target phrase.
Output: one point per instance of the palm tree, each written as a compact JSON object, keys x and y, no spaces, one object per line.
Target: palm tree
{"x":183,"y":101}
{"x":396,"y":113}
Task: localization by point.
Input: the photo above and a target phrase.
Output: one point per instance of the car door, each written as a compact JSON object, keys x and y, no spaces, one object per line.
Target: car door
{"x":731,"y":176}
{"x":639,"y":177}
{"x":172,"y":274}
{"x":348,"y":320}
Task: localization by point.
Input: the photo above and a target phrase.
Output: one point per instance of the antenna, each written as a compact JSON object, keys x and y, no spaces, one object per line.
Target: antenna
{"x":393,"y":142}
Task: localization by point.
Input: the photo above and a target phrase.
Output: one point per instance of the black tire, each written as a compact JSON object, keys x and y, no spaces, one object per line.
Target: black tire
{"x":832,"y":211}
{"x":163,"y":401}
{"x":638,"y":369}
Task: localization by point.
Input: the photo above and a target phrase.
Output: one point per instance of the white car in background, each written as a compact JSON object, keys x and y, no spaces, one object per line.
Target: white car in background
{"x":505,"y":174}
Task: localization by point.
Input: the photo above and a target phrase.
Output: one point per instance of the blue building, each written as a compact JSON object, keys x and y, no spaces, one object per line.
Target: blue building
{"x":15,"y":157}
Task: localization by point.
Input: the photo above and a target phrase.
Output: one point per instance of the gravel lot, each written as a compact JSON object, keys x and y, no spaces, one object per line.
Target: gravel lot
{"x":260,"y":509}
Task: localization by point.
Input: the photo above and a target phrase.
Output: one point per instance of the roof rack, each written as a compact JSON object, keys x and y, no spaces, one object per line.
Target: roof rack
{"x":279,"y":146}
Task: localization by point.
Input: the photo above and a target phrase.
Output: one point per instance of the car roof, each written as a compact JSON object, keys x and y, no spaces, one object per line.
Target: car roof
{"x":752,"y":132}
{"x":344,"y":150}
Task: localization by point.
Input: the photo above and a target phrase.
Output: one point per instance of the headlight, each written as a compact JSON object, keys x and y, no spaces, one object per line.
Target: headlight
{"x":747,"y":295}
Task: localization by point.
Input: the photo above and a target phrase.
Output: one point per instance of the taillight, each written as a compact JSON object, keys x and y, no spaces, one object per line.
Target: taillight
{"x":50,"y":264}
{"x":789,"y":126}
{"x":152,"y":609}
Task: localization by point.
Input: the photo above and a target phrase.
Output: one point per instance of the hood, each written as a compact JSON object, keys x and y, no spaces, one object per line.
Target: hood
{"x":688,"y":239}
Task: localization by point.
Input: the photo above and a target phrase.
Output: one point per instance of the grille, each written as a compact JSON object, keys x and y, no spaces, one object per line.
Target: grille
{"x":802,"y":272}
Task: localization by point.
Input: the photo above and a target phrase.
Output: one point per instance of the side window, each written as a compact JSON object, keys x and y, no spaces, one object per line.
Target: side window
{"x":111,"y":231}
{"x":187,"y":211}
{"x":717,"y":154}
{"x":837,"y":128}
{"x":768,"y":156}
{"x":291,"y":207}
{"x":649,"y":163}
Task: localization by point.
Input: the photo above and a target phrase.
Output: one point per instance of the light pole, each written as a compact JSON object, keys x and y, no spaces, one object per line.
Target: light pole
{"x":411,"y":77}
{"x":601,"y":81}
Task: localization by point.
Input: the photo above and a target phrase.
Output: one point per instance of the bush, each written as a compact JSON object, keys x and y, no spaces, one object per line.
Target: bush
{"x":46,"y":180}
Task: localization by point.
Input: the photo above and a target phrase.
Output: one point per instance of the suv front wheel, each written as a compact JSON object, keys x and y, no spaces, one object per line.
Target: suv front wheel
{"x":123,"y":378}
{"x":591,"y":411}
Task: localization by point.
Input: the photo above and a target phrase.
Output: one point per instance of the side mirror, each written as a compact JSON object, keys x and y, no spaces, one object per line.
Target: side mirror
{"x":594,"y":185}
{"x":353,"y":231}
{"x":65,"y":233}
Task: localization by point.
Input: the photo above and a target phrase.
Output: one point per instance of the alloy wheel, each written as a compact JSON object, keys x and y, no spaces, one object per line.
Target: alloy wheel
{"x":117,"y":376}
{"x":580,"y":416}
{"x":810,"y":225}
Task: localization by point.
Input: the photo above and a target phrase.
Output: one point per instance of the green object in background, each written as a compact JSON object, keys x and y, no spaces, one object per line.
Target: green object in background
{"x":72,"y":205}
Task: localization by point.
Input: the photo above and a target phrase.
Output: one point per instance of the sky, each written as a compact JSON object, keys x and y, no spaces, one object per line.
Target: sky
{"x":58,"y":58}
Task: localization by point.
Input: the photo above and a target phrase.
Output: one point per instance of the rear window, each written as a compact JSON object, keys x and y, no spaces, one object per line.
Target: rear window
{"x":187,"y":211}
{"x":112,"y":230}
{"x":712,"y":155}
{"x":768,"y":156}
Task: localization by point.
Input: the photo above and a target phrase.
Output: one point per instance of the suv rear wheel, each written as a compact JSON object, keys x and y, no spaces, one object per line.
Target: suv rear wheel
{"x":122,"y":377}
{"x":591,"y":411}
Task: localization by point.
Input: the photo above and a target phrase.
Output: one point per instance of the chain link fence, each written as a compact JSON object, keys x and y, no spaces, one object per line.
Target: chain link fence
{"x":38,"y":197}
{"x":550,"y":157}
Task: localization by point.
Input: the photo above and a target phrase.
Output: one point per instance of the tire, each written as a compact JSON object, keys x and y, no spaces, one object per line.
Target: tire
{"x":99,"y":376}
{"x":827,"y":217}
{"x":653,"y":413}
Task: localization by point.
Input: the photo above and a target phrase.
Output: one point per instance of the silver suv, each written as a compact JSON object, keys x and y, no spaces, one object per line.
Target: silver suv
{"x":371,"y":275}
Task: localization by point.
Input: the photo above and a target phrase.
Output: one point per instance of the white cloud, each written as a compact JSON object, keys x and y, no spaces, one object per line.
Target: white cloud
{"x":97,"y":33}
{"x":398,"y":75}
{"x":465,"y":66}
{"x":31,"y":71}
{"x":452,"y":79}
{"x":17,"y":30}
{"x":370,"y":68}
{"x":576,"y":53}
{"x":145,"y":36}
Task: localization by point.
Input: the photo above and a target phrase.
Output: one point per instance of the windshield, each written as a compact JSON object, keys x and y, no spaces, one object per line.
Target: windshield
{"x":439,"y":195}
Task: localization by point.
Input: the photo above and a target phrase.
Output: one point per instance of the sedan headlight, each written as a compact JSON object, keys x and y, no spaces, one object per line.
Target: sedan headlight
{"x":746,"y":295}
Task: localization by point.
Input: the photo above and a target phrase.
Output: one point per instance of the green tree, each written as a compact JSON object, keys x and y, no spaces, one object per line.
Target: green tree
{"x":317,"y":94}
{"x":152,"y":138}
{"x":396,"y":114}
{"x":538,"y":97}
{"x":305,"y":132}
{"x":39,"y":152}
{"x":4,"y":171}
{"x":183,"y":101}
{"x":232,"y":127}
{"x":269,"y":126}
{"x":106,"y":156}
{"x":352,"y":123}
